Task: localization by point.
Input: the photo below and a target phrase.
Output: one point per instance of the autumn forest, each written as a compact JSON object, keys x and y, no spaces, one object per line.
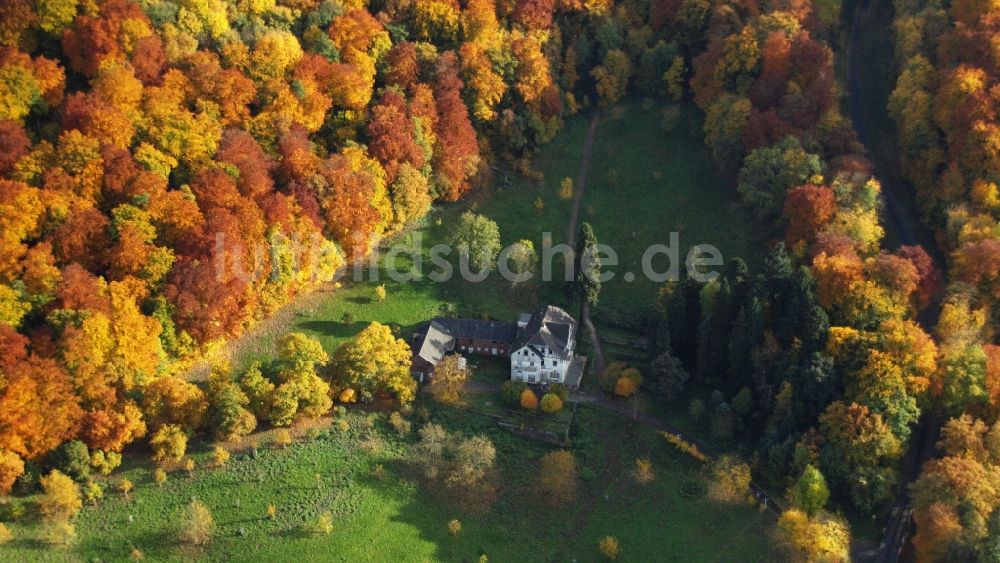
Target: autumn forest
{"x":156,"y":155}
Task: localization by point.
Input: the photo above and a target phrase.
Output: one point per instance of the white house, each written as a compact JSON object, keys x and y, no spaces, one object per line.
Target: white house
{"x":543,"y":350}
{"x":540,"y":345}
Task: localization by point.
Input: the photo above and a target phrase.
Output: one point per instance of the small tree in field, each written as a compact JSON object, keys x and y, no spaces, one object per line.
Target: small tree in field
{"x":159,"y":476}
{"x":644,"y":471}
{"x":529,"y":400}
{"x":558,"y":482}
{"x":282,"y":438}
{"x":125,"y":486}
{"x":93,"y":492}
{"x":609,"y":547}
{"x":380,"y":293}
{"x":551,"y":403}
{"x":61,"y":499}
{"x":566,"y":188}
{"x":272,"y":511}
{"x":5,"y":535}
{"x":449,"y":379}
{"x":730,"y":480}
{"x":189,"y":466}
{"x":196,"y":525}
{"x":220,"y":456}
{"x":454,"y":527}
{"x":322,"y":525}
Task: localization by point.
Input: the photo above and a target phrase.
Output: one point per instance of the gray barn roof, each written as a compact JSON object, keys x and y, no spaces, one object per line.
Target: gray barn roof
{"x":432,"y":341}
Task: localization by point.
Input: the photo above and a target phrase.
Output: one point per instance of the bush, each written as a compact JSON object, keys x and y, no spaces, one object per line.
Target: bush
{"x":454,"y":527}
{"x":61,"y":499}
{"x":159,"y":476}
{"x":5,"y":535}
{"x":72,"y":459}
{"x":551,"y":403}
{"x":609,"y":547}
{"x":169,"y":443}
{"x":105,"y":462}
{"x":12,"y":510}
{"x":322,"y":525}
{"x":282,"y":438}
{"x":399,"y":424}
{"x":529,"y":400}
{"x":196,"y":525}
{"x":510,"y":392}
{"x":93,"y":492}
{"x":730,"y":481}
{"x":644,"y":471}
{"x":220,"y":456}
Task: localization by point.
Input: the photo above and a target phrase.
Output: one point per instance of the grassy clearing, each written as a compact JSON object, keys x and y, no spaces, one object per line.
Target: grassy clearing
{"x":647,"y":181}
{"x":395,"y":519}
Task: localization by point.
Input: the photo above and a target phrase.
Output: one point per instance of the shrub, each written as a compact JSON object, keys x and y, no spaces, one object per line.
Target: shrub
{"x":61,"y":499}
{"x":566,"y":188}
{"x":159,"y":476}
{"x":169,"y":443}
{"x":625,"y":387}
{"x":125,"y":486}
{"x":195,"y":525}
{"x":272,"y":511}
{"x":454,"y":527}
{"x":609,"y":547}
{"x":11,"y":467}
{"x":380,"y":293}
{"x":399,"y":424}
{"x":72,"y":459}
{"x":322,"y":525}
{"x":343,"y":425}
{"x":5,"y":535}
{"x":189,"y":466}
{"x":105,"y":462}
{"x":644,"y":471}
{"x":551,"y":403}
{"x":12,"y":510}
{"x":529,"y":400}
{"x":93,"y":492}
{"x":510,"y":392}
{"x":282,"y":438}
{"x":220,"y":456}
{"x":730,"y":480}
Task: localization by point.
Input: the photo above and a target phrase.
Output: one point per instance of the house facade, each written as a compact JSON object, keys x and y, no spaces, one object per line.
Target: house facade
{"x":541,"y":345}
{"x":544,"y":350}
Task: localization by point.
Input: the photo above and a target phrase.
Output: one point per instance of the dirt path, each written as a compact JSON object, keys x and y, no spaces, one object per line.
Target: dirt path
{"x":598,"y":359}
{"x":581,"y":180}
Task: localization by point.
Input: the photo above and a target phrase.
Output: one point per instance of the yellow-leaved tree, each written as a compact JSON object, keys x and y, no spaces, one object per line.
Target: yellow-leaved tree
{"x":375,"y":360}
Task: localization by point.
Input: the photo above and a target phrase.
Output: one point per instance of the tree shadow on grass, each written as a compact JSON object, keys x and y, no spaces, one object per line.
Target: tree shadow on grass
{"x":334,"y":328}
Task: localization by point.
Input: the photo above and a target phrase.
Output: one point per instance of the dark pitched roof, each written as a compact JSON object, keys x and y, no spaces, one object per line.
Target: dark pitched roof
{"x":475,"y":329}
{"x":432,"y":341}
{"x":550,"y":327}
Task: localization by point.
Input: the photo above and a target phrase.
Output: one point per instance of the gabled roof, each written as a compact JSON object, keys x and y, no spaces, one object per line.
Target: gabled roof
{"x":550,"y":327}
{"x":432,"y":341}
{"x":475,"y":329}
